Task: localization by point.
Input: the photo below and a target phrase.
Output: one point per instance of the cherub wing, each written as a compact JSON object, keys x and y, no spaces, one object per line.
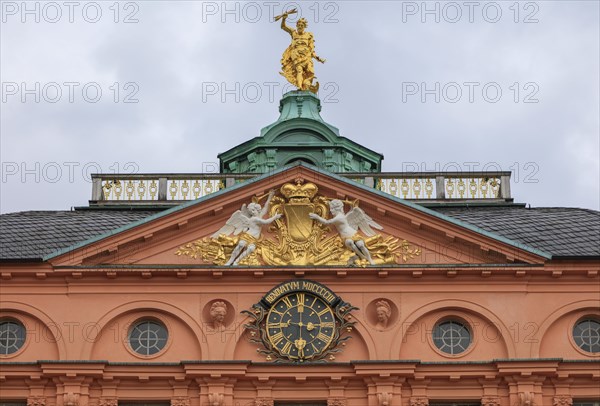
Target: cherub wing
{"x":237,"y":223}
{"x":358,"y":219}
{"x":244,"y":211}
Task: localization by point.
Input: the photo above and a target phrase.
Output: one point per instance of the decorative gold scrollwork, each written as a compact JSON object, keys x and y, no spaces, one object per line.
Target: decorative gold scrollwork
{"x":129,"y":188}
{"x":461,"y":188}
{"x":429,"y":188}
{"x":393,"y":188}
{"x":417,"y":188}
{"x":295,"y":238}
{"x":196,"y":189}
{"x":141,"y":190}
{"x":473,"y":188}
{"x":153,"y":189}
{"x":404,"y":188}
{"x":208,"y":187}
{"x":185,"y":189}
{"x":450,"y":188}
{"x":173,"y":188}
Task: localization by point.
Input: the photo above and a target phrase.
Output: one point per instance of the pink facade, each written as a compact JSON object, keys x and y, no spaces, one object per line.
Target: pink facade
{"x":519,"y":309}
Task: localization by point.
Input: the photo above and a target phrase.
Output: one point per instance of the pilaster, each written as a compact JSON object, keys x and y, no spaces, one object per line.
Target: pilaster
{"x":337,"y":392}
{"x":264,"y":394}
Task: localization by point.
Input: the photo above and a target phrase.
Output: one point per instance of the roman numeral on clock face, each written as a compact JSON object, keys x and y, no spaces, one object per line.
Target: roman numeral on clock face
{"x":300,"y":298}
{"x":322,"y":312}
{"x":327,"y":324}
{"x":286,"y":348}
{"x":276,"y":339}
{"x":287,"y":301}
{"x":323,"y":337}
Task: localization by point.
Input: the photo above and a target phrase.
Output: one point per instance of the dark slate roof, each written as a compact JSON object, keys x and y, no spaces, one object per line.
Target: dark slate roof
{"x":561,"y":231}
{"x":31,"y":235}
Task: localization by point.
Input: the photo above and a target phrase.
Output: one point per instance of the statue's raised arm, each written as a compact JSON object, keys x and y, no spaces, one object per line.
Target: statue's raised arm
{"x":265,"y":208}
{"x":284,"y":17}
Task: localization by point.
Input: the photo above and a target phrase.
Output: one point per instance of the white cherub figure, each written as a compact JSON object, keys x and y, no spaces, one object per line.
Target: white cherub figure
{"x":246,"y":222}
{"x":348,"y":225}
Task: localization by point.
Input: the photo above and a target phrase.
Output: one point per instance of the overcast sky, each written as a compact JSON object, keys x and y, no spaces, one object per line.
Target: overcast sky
{"x":182,"y":81}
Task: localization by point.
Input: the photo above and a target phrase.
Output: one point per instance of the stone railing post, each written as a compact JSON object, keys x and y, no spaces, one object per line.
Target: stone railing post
{"x":505,"y":186}
{"x":162,"y":188}
{"x":440,"y":190}
{"x":97,"y":194}
{"x":229,"y":182}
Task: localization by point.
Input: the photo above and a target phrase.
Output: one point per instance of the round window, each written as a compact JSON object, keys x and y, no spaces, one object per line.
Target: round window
{"x":451,"y":337}
{"x":12,"y":337}
{"x":586,"y":334}
{"x":148,"y":337}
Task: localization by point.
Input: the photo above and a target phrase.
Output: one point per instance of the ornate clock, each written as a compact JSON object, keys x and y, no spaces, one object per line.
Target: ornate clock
{"x":300,"y":321}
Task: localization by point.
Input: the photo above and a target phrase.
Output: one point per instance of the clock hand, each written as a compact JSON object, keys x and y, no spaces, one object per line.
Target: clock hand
{"x":280,"y":325}
{"x":300,"y":343}
{"x":311,"y":326}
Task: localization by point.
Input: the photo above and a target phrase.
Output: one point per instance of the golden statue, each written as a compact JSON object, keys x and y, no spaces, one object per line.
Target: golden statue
{"x":297,"y":61}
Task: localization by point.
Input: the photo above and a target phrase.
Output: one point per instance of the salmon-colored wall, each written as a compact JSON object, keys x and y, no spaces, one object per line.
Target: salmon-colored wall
{"x":91,"y":317}
{"x":111,"y":342}
{"x":519,"y":306}
{"x":557,"y":340}
{"x":487,"y":342}
{"x":41,"y":341}
{"x":511,"y":317}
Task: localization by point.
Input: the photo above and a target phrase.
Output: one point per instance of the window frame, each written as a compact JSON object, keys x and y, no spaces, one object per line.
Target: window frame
{"x":146,"y":319}
{"x":23,"y":325}
{"x":452,"y":318}
{"x":583,"y":319}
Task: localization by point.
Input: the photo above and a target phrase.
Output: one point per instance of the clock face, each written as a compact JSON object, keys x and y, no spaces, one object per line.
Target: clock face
{"x":300,"y":326}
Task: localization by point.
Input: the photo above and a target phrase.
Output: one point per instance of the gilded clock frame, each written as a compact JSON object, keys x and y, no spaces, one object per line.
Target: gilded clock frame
{"x":258,"y":328}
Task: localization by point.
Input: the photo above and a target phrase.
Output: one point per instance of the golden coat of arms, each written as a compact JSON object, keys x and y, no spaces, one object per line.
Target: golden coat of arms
{"x":299,"y":233}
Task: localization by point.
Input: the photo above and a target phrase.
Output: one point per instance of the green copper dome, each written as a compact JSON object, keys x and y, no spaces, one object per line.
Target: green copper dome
{"x":300,"y":134}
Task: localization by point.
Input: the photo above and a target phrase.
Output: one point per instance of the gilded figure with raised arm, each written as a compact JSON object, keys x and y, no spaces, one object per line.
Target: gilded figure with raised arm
{"x":297,"y":62}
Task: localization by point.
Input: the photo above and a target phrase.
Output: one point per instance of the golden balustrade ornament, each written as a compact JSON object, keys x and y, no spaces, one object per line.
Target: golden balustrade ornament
{"x":416,"y":188}
{"x":299,"y":233}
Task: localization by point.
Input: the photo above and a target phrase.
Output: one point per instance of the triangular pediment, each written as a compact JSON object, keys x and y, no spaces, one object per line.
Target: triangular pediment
{"x":404,"y":233}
